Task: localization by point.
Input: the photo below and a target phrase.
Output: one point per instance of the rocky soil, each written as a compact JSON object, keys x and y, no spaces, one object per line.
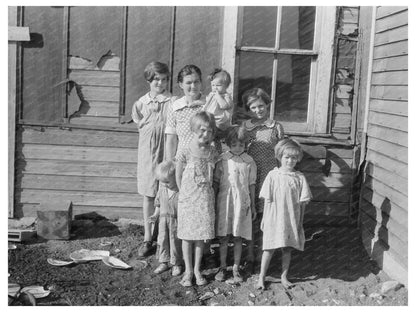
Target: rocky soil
{"x":334,"y":270}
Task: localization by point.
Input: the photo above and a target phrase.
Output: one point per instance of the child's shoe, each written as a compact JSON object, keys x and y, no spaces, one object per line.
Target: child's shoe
{"x":220,"y":276}
{"x":145,"y":249}
{"x":161,"y":268}
{"x":186,"y":280}
{"x":176,"y":270}
{"x":236,"y":275}
{"x":200,"y":280}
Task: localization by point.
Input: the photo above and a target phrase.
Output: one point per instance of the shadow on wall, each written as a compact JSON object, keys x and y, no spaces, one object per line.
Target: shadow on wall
{"x":374,"y":231}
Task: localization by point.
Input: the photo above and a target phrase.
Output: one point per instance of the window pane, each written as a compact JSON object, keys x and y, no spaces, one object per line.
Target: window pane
{"x":297,"y":28}
{"x":255,"y":71}
{"x":293,"y":75}
{"x":259,"y":26}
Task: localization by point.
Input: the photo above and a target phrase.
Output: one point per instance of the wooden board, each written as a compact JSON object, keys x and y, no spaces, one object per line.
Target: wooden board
{"x":391,"y":50}
{"x":331,"y":194}
{"x":95,"y":77}
{"x":392,"y":21}
{"x":389,"y":92}
{"x":349,"y":14}
{"x":77,"y":183}
{"x":333,"y":180}
{"x":78,"y":137}
{"x":398,"y":183}
{"x":395,"y":122}
{"x":103,"y":109}
{"x":384,"y":11}
{"x":342,"y":121}
{"x":391,"y":63}
{"x":381,"y":187}
{"x":386,"y":260}
{"x":94,"y":120}
{"x":77,"y":153}
{"x":388,"y":237}
{"x":86,"y":198}
{"x":391,"y":78}
{"x":393,"y":35}
{"x":338,"y":166}
{"x":388,"y":163}
{"x":388,"y":134}
{"x":343,"y":91}
{"x":77,"y":168}
{"x":110,"y":212}
{"x":381,"y":202}
{"x":98,"y":93}
{"x":327,"y":209}
{"x":390,"y":107}
{"x":383,"y":219}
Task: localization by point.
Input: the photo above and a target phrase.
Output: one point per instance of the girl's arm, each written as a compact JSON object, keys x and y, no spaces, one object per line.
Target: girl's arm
{"x":178,"y":173}
{"x":252,"y":189}
{"x":171,"y":146}
{"x":224,"y":101}
{"x":217,"y":177}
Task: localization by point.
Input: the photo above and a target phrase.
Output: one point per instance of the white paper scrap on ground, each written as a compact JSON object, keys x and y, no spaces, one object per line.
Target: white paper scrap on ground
{"x":36,"y":291}
{"x":84,"y":255}
{"x":56,"y":262}
{"x":115,"y":263}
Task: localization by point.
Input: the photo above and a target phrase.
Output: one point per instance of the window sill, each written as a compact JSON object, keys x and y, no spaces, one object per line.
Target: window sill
{"x":126,"y":127}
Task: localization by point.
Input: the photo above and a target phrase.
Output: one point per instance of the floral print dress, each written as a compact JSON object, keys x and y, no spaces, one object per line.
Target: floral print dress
{"x":196,"y":212}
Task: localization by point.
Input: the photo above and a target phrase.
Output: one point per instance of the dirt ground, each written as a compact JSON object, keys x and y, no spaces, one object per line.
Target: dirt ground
{"x":333,"y":270}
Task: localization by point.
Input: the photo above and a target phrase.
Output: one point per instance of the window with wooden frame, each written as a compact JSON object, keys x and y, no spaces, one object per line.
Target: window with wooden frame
{"x":287,"y":51}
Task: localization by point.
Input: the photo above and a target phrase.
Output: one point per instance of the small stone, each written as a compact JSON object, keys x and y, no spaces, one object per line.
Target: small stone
{"x":325,"y":300}
{"x":207,"y":295}
{"x":117,"y":250}
{"x":390,"y":285}
{"x":216,"y":291}
{"x":187,"y":292}
{"x":214,"y":303}
{"x":252,"y":295}
{"x":376,"y":296}
{"x":250,"y":303}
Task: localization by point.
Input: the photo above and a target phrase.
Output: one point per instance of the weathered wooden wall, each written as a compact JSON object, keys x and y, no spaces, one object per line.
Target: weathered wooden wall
{"x":345,"y":70}
{"x":328,"y":169}
{"x":384,"y":197}
{"x":94,"y":169}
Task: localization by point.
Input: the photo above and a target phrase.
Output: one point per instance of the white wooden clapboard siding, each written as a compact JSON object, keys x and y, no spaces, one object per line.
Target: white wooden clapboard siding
{"x":94,"y":169}
{"x":384,"y":201}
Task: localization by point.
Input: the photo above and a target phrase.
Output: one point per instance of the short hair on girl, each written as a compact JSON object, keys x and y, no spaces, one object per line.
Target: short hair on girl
{"x":219,"y":72}
{"x":189,"y":70}
{"x":154,"y":68}
{"x":202,"y":118}
{"x":253,"y":95}
{"x":165,"y":170}
{"x":288,"y":144}
{"x":236,"y":133}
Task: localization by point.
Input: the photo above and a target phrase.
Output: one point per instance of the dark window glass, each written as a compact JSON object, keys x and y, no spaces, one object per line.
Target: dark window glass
{"x":259,"y":26}
{"x":292,"y":92}
{"x":297,"y":28}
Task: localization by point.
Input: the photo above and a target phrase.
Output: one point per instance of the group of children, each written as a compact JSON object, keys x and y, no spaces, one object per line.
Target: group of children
{"x":199,"y":192}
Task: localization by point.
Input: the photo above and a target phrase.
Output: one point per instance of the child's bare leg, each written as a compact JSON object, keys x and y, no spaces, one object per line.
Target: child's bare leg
{"x":250,"y":251}
{"x":286,"y":257}
{"x":148,"y":209}
{"x":199,"y":250}
{"x":238,"y":247}
{"x":265,"y":262}
{"x":223,"y":251}
{"x":187,"y":256}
